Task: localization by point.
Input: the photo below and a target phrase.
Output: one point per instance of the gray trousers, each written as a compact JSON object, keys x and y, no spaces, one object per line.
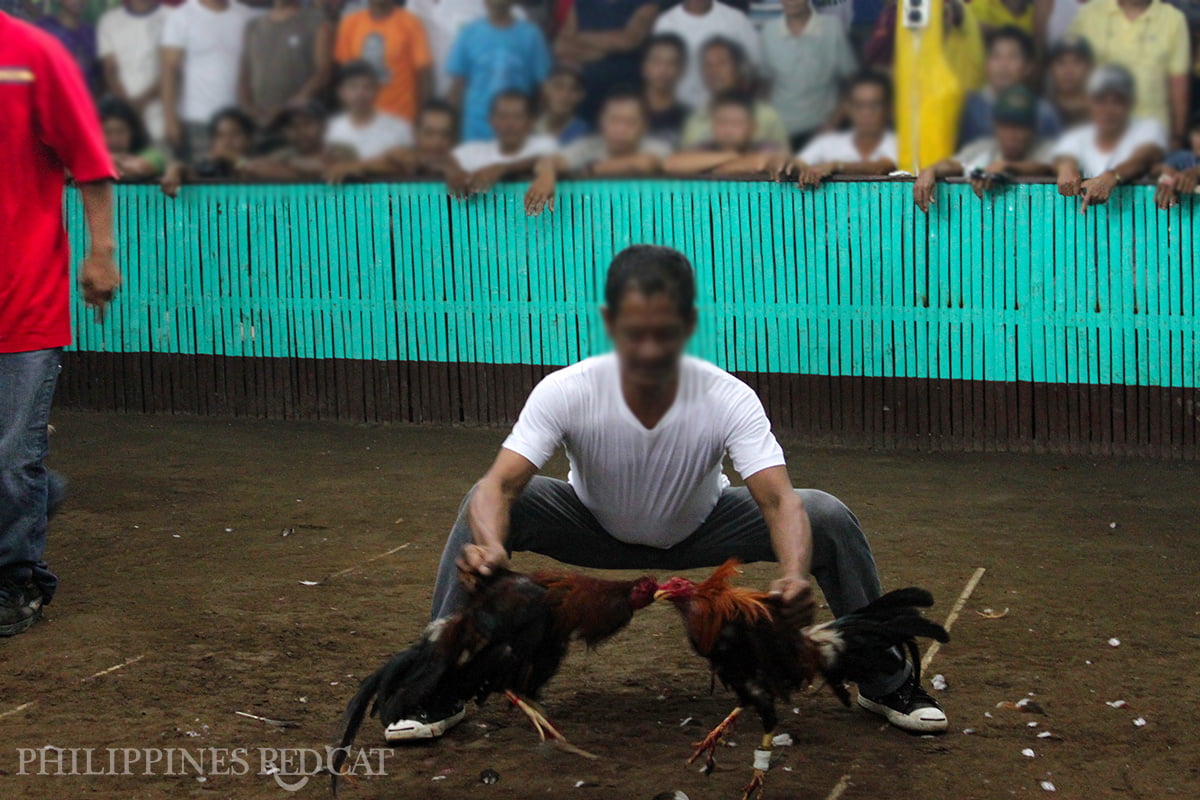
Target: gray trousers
{"x":548,"y":518}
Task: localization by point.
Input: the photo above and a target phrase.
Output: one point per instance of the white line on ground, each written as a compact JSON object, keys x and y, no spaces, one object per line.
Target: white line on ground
{"x":17,"y":710}
{"x":113,"y":668}
{"x":342,"y":572}
{"x":844,"y":782}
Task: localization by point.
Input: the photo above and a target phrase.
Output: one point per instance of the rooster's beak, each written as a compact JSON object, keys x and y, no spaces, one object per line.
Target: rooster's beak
{"x":660,"y":594}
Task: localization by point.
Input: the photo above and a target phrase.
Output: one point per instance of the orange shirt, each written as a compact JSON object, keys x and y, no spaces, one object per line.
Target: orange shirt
{"x":396,"y":47}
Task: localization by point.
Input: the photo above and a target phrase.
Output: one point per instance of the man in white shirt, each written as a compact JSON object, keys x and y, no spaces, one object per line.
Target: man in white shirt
{"x":201,"y":55}
{"x":697,"y":21}
{"x":645,"y":429}
{"x":868,"y":148}
{"x":127,"y":41}
{"x":1113,"y":148}
{"x":362,"y":127}
{"x":514,"y":151}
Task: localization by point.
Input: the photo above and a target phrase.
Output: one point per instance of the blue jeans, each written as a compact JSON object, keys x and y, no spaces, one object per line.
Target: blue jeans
{"x":29,"y":493}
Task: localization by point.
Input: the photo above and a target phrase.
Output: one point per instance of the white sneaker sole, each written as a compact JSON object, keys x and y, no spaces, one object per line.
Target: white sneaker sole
{"x":923,"y":720}
{"x":407,"y":730}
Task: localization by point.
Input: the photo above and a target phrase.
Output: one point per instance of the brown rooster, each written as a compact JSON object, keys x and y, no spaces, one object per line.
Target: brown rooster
{"x":764,"y":652}
{"x":510,"y":636}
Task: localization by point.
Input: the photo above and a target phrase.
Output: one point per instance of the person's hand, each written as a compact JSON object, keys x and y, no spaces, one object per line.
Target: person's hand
{"x":1166,"y":191}
{"x":923,"y":190}
{"x":458,"y":183}
{"x":1187,"y":181}
{"x":482,"y":559}
{"x":173,"y":132}
{"x":337,"y":172}
{"x":980,"y":183}
{"x":1068,"y":182}
{"x":482,"y":180}
{"x":99,"y":279}
{"x":777,"y":166}
{"x":796,"y":596}
{"x":540,"y":195}
{"x":811,"y":175}
{"x":1097,"y":190}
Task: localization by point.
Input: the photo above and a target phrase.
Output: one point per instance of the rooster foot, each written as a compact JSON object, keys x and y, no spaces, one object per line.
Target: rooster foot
{"x":707,"y":747}
{"x":757,"y":785}
{"x":545,"y":728}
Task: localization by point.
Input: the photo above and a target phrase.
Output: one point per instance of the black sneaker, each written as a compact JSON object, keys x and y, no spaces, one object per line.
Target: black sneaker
{"x":909,"y":708}
{"x":20,"y":607}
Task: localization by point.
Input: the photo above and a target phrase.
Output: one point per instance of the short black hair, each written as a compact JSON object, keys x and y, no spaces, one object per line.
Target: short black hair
{"x":650,"y":269}
{"x":237,"y":116}
{"x":1013,"y":34}
{"x":512,"y":94}
{"x":624,"y":94}
{"x":870,"y":77}
{"x":116,"y":108}
{"x":733,"y":97}
{"x":357,"y":69}
{"x":438,"y":107}
{"x":561,"y":71}
{"x":667,"y":39}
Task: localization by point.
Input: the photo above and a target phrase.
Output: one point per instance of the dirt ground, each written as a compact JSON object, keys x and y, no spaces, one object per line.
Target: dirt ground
{"x":171,"y":552}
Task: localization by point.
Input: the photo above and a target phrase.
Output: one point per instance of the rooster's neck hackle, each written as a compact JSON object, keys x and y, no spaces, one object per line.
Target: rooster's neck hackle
{"x":717,"y":602}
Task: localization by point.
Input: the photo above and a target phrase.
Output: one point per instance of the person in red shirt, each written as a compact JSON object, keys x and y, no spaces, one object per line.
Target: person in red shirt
{"x":50,"y":127}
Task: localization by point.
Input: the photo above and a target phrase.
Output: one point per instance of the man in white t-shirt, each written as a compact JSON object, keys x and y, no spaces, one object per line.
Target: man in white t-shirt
{"x":514,"y":151}
{"x":697,"y":21}
{"x":127,"y":41}
{"x":362,"y":127}
{"x":201,"y":54}
{"x":1113,"y":148}
{"x":645,"y":430}
{"x":868,"y":148}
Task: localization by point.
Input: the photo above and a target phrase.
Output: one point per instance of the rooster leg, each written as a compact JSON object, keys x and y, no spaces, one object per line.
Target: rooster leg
{"x":545,"y":728}
{"x":707,"y":747}
{"x":762,"y":762}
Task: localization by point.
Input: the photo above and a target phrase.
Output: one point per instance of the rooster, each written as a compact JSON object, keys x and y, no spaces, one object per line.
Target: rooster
{"x":510,"y":637}
{"x":764,"y":651}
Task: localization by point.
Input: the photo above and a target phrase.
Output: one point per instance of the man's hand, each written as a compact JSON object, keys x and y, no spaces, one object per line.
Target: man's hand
{"x":981,"y":183}
{"x":482,"y":559}
{"x":796,"y":594}
{"x":812,"y":175}
{"x":337,"y":172}
{"x":458,"y":182}
{"x":99,"y":279}
{"x":923,"y":189}
{"x":482,"y":180}
{"x":1097,"y":190}
{"x":1166,"y":191}
{"x":1068,"y":181}
{"x":540,"y":195}
{"x":1187,"y":180}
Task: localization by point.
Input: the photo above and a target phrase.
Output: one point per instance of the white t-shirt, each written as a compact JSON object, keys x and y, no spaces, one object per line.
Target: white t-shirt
{"x":721,"y":20}
{"x":443,"y":19}
{"x":840,"y":147}
{"x":212,"y":52}
{"x":477,"y":155}
{"x":375,"y":138}
{"x":133,"y":40}
{"x":982,"y":153}
{"x":1080,"y":144}
{"x":651,"y":487}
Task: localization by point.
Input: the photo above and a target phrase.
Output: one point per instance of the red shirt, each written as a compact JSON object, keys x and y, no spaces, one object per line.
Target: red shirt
{"x":48,"y":125}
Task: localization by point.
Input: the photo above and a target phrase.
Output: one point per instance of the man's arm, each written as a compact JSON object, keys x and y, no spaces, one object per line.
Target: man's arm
{"x":489,"y":510}
{"x":631,"y":37}
{"x":698,"y":162}
{"x":639,"y":164}
{"x":570,"y":48}
{"x":1178,"y":94}
{"x":923,"y":186}
{"x":172,"y":68}
{"x":1066,"y":168}
{"x":322,"y":63}
{"x":482,"y":180}
{"x":98,"y":274}
{"x":788,"y":524}
{"x":811,"y":175}
{"x":1098,"y":189}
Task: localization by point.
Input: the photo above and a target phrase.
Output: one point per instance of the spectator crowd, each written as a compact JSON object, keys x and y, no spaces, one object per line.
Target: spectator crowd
{"x":1091,"y":93}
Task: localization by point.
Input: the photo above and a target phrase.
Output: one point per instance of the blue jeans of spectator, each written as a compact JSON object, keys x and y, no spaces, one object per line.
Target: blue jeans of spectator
{"x":29,"y":492}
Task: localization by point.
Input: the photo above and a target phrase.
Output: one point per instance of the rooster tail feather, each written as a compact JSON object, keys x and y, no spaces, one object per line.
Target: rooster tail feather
{"x":351,"y":721}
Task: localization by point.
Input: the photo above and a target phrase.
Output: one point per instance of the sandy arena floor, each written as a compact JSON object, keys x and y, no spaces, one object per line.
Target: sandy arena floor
{"x":172,"y":558}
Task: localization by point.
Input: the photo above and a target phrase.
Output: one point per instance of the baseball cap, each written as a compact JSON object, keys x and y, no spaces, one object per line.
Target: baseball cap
{"x":1111,"y":79}
{"x":1016,"y":106}
{"x":1075,"y":45}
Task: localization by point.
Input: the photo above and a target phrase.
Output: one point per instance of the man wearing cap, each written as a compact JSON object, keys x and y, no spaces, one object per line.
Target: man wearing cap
{"x":1114,"y":147}
{"x":1013,"y":150}
{"x":1067,"y":70}
{"x":1150,"y":39}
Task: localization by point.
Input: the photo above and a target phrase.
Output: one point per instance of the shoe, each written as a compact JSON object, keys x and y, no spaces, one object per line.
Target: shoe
{"x":909,"y":708}
{"x":424,"y":725}
{"x":20,"y":608}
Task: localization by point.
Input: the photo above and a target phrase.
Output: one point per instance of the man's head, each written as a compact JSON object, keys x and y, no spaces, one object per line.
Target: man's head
{"x":512,"y":119}
{"x":664,"y":60}
{"x":1010,"y":58}
{"x":436,"y":131}
{"x":231,"y":132}
{"x":1014,"y":122}
{"x":381,"y":8}
{"x":1110,"y":97}
{"x":623,"y":122}
{"x":650,"y":312}
{"x":498,"y":9}
{"x":358,"y":86}
{"x":796,"y":8}
{"x":73,"y":7}
{"x":868,"y":102}
{"x":723,"y":65}
{"x":562,"y":92}
{"x":303,"y":127}
{"x":124,"y":133}
{"x":1071,"y":61}
{"x":733,"y":124}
